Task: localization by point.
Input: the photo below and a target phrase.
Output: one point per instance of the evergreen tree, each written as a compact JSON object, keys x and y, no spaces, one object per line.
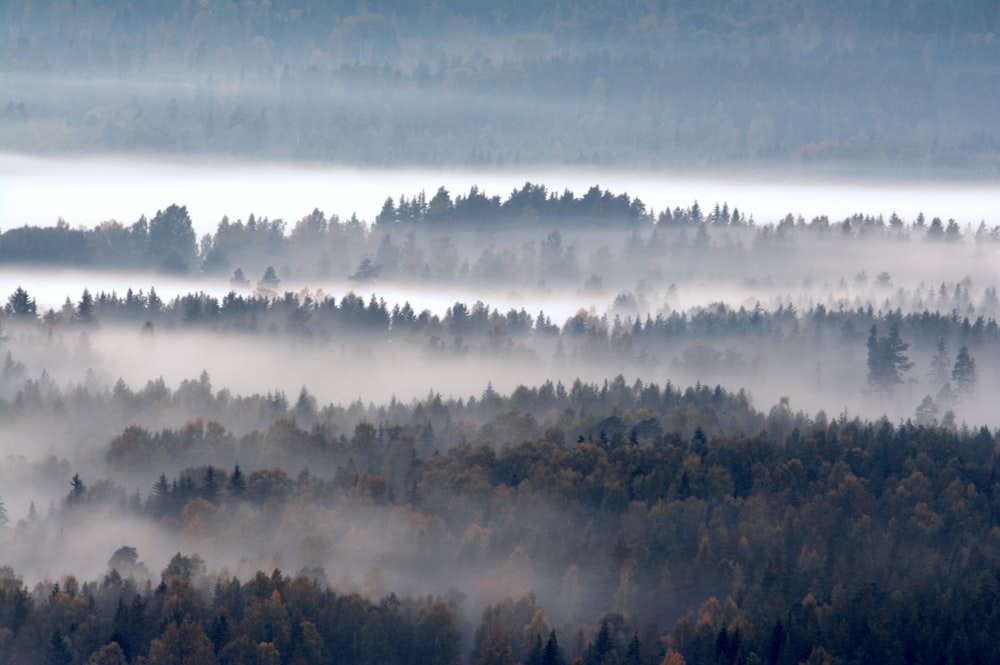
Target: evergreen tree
{"x":887,"y":361}
{"x":633,"y":655}
{"x":21,"y":305}
{"x":161,"y":496}
{"x":269,"y":279}
{"x":85,"y":308}
{"x":210,"y":488}
{"x":77,"y":489}
{"x":940,"y":364}
{"x":553,"y":654}
{"x":964,"y":371}
{"x":927,"y":411}
{"x":237,"y":483}
{"x":60,"y":652}
{"x":387,"y":215}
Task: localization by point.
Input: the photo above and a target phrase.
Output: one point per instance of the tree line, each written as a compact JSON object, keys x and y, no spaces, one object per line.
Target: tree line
{"x":661,"y":84}
{"x":414,"y":237}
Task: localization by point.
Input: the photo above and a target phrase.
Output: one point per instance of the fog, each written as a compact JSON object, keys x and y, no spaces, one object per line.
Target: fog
{"x":743,"y":381}
{"x":89,"y":190}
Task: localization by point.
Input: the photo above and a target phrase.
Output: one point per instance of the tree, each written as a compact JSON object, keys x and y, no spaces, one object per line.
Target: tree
{"x":209,"y":487}
{"x":673,"y":657}
{"x":237,"y":483}
{"x":436,"y":637}
{"x":77,"y":489}
{"x":172,"y":240}
{"x":366,"y":272}
{"x":59,"y":650}
{"x":927,"y":411}
{"x":20,"y":305}
{"x":387,"y":215}
{"x":182,"y":644}
{"x":269,"y":279}
{"x":109,"y":654}
{"x":553,"y":654}
{"x":4,"y":520}
{"x":161,"y":496}
{"x":126,"y":561}
{"x":633,"y":655}
{"x":85,"y":308}
{"x":964,"y":371}
{"x":238,"y":278}
{"x":940,"y":364}
{"x":496,"y":649}
{"x":886,"y":359}
{"x":602,"y":646}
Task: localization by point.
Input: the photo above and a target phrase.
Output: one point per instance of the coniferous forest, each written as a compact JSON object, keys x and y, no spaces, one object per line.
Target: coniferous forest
{"x":535,"y":426}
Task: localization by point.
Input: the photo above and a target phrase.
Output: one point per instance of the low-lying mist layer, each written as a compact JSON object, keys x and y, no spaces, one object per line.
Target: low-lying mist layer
{"x":537,"y":426}
{"x":547,"y":514}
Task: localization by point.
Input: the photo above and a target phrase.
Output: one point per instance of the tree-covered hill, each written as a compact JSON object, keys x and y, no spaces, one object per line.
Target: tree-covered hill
{"x":849,"y":85}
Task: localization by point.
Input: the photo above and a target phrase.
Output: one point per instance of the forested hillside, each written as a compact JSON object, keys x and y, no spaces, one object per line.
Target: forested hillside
{"x":844,"y":87}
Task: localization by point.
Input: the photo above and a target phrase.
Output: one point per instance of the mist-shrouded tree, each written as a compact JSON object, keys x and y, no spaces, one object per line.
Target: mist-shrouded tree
{"x":172,"y":240}
{"x":77,"y":489}
{"x":237,"y":483}
{"x":366,"y":272}
{"x":85,"y":308}
{"x":940,"y":364}
{"x":887,"y":360}
{"x":209,"y":486}
{"x":4,"y":520}
{"x":964,"y":371}
{"x":238,"y":278}
{"x":270,"y":279}
{"x":387,"y":215}
{"x":123,"y":558}
{"x":20,"y":305}
{"x":927,"y":411}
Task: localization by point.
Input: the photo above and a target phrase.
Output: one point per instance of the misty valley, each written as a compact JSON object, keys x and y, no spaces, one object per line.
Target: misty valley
{"x":551,"y":425}
{"x":645,"y":332}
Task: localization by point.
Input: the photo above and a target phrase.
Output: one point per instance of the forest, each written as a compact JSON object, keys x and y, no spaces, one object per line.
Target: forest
{"x":668,"y":336}
{"x":840,"y":87}
{"x":581,"y":517}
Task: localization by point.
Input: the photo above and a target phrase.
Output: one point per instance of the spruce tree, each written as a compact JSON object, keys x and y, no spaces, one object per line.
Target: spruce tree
{"x":964,"y":372}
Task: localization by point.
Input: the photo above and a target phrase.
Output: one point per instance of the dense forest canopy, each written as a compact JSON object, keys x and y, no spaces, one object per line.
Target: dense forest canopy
{"x":749,"y":538}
